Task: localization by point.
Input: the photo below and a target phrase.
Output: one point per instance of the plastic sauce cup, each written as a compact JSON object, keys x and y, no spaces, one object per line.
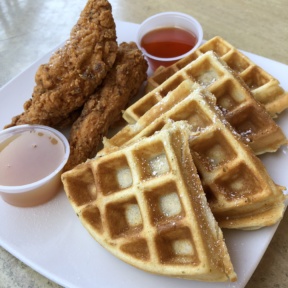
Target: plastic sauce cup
{"x":31,"y":158}
{"x":164,"y":21}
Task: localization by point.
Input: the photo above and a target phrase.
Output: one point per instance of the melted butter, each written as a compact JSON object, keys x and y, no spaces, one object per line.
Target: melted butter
{"x":29,"y":156}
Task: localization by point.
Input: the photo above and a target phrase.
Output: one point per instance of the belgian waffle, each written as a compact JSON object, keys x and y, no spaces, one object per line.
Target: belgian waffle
{"x":241,"y":110}
{"x":145,"y":204}
{"x":240,"y":192}
{"x":265,"y":88}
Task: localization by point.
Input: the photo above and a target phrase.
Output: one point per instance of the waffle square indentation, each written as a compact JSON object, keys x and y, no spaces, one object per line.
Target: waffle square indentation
{"x":152,"y":160}
{"x":219,"y":47}
{"x":213,"y":150}
{"x":162,"y":77}
{"x":113,"y":175}
{"x":238,"y":183}
{"x":171,"y":85}
{"x":177,"y":247}
{"x":255,"y":78}
{"x":194,"y":115}
{"x":229,"y":96}
{"x":204,"y":72}
{"x":92,"y":216}
{"x":124,"y":218}
{"x":81,"y":187}
{"x":250,"y":121}
{"x":140,"y":110}
{"x":137,"y":249}
{"x":164,"y":204}
{"x":237,"y":62}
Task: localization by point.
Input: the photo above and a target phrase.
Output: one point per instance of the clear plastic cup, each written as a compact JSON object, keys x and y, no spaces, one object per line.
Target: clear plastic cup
{"x":169,"y":19}
{"x":41,"y":190}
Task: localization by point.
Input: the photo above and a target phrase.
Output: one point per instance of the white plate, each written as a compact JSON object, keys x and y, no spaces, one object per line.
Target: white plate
{"x":51,"y":240}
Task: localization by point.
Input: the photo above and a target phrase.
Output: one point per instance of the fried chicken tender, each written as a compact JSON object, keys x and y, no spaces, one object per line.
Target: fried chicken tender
{"x":104,"y":107}
{"x":73,"y":72}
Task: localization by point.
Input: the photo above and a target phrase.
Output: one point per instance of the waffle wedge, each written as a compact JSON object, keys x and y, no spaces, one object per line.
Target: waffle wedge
{"x":145,"y":204}
{"x":240,"y":191}
{"x":241,"y":110}
{"x":264,"y":87}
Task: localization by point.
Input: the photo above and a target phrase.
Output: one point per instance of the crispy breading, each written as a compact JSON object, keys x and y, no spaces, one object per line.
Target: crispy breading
{"x":74,"y":71}
{"x":104,"y":107}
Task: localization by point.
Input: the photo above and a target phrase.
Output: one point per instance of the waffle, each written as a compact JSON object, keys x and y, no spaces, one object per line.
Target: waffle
{"x":240,"y":192}
{"x":145,"y":204}
{"x":241,"y":110}
{"x":264,"y":87}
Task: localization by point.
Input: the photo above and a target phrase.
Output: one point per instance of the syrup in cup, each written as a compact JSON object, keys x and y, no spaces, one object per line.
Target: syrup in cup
{"x":167,"y":37}
{"x":31,"y":161}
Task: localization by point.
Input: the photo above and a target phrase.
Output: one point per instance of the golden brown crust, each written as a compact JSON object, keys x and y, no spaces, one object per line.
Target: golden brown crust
{"x":104,"y":107}
{"x":74,"y":71}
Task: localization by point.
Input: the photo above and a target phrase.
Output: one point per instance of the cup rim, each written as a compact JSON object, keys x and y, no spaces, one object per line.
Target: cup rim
{"x":14,"y":189}
{"x":171,"y":13}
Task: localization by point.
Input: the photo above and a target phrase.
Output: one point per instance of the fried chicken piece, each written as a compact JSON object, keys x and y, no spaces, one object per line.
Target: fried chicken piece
{"x":74,"y":71}
{"x":104,"y":107}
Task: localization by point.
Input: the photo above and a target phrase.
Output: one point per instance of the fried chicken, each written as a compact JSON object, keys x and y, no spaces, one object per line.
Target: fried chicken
{"x":104,"y":107}
{"x":73,"y":72}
